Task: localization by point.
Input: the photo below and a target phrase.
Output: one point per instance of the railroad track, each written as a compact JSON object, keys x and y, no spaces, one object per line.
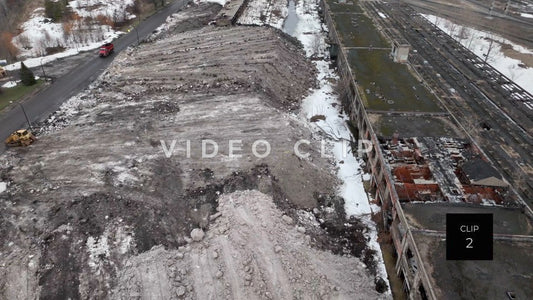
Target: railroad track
{"x":490,"y":107}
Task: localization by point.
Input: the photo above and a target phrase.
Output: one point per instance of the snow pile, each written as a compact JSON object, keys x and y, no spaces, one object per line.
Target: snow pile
{"x":479,"y":42}
{"x":3,"y":187}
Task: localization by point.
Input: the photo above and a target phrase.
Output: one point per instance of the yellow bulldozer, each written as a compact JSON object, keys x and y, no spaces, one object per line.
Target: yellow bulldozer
{"x":19,"y":138}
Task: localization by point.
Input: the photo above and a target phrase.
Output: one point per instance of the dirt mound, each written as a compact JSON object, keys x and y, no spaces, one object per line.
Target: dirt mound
{"x":194,"y":16}
{"x":251,"y":251}
{"x":97,"y":191}
{"x":212,"y":60}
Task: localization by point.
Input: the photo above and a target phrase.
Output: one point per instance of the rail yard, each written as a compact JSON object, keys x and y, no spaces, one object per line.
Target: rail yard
{"x":450,"y":129}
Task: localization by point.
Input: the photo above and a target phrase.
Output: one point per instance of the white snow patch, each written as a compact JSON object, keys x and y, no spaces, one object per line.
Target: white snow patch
{"x":221,"y":2}
{"x":126,"y":177}
{"x":488,"y":202}
{"x":3,"y":187}
{"x":97,"y":248}
{"x":375,"y":208}
{"x":9,"y":84}
{"x":124,"y":239}
{"x":526,"y":15}
{"x":111,"y":241}
{"x":478,"y":42}
{"x":310,"y":31}
{"x":367,"y":177}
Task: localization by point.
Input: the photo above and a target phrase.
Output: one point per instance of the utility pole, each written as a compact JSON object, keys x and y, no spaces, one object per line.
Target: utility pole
{"x":42,"y":68}
{"x":25,"y":115}
{"x":490,"y":48}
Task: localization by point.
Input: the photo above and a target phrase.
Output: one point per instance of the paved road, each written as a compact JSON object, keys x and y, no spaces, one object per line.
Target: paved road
{"x":49,"y":100}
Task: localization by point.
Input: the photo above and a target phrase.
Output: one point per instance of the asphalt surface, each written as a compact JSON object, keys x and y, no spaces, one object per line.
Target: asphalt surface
{"x":49,"y":100}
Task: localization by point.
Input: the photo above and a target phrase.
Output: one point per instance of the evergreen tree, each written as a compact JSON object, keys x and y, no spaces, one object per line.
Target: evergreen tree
{"x":26,"y":75}
{"x":55,"y":9}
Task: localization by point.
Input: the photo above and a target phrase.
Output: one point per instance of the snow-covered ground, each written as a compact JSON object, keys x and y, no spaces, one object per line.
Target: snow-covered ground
{"x":109,"y":8}
{"x":265,"y":12}
{"x":87,"y":31}
{"x":37,"y":61}
{"x":221,"y":2}
{"x":479,"y":42}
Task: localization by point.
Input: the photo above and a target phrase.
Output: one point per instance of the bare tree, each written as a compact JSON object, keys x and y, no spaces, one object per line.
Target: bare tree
{"x":462,"y":32}
{"x":40,"y":50}
{"x":452,"y":27}
{"x":470,"y":37}
{"x":47,"y":40}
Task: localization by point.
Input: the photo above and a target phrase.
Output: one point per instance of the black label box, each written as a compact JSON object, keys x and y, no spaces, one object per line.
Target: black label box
{"x":469,"y":236}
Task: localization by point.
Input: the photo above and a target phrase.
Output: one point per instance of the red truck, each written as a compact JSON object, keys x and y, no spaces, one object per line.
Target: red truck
{"x":106,"y":49}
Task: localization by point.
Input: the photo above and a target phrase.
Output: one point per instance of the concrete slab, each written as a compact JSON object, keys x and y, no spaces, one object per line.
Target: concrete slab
{"x":510,"y":270}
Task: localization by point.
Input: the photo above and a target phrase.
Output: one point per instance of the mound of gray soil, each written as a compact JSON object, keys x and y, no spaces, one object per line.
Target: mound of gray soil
{"x":251,"y":251}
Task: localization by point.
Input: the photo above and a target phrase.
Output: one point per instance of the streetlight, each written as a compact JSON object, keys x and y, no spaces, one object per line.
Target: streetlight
{"x":25,"y":115}
{"x":42,"y":67}
{"x":136,"y":31}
